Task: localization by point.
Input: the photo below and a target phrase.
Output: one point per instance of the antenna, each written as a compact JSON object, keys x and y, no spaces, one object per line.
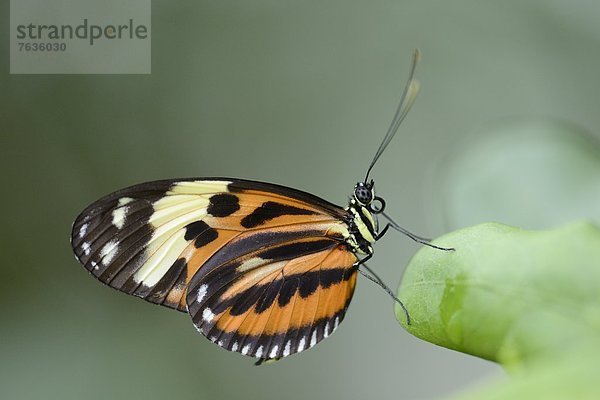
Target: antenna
{"x":406,"y":101}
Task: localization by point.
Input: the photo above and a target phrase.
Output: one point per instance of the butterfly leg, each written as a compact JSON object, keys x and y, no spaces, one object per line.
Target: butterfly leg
{"x":362,"y":261}
{"x":414,"y":237}
{"x":383,"y":232}
{"x":418,"y":239}
{"x":373,"y":277}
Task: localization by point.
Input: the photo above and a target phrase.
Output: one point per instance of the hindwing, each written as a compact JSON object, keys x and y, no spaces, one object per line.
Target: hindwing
{"x":273,"y":299}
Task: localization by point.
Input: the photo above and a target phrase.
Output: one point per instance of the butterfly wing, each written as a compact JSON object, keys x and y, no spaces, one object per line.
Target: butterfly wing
{"x":150,"y":239}
{"x":270,"y":295}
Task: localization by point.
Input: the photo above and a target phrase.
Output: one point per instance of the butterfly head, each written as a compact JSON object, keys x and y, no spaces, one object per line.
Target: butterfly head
{"x":364,"y":195}
{"x":364,"y":192}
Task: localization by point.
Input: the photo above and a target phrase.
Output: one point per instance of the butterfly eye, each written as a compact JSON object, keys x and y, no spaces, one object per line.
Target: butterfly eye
{"x":363,"y":195}
{"x":377,"y":205}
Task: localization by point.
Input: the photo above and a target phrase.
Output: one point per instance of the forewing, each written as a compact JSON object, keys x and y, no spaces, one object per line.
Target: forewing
{"x":274,"y":301}
{"x":149,"y":240}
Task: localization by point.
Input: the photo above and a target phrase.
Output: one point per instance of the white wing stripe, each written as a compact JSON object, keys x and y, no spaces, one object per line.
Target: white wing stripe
{"x":161,"y":261}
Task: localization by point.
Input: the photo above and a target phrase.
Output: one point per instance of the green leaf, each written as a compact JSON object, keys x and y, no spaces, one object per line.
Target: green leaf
{"x":529,"y":300}
{"x":509,"y":295}
{"x":575,"y":377}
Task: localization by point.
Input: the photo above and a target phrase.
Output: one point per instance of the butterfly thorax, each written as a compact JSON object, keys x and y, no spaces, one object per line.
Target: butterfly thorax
{"x":363,"y":228}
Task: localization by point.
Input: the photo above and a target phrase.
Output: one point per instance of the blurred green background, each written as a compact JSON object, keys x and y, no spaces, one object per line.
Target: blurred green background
{"x":297,"y":93}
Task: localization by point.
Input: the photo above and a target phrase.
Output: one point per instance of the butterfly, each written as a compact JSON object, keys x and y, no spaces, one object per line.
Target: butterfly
{"x":263,"y":270}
